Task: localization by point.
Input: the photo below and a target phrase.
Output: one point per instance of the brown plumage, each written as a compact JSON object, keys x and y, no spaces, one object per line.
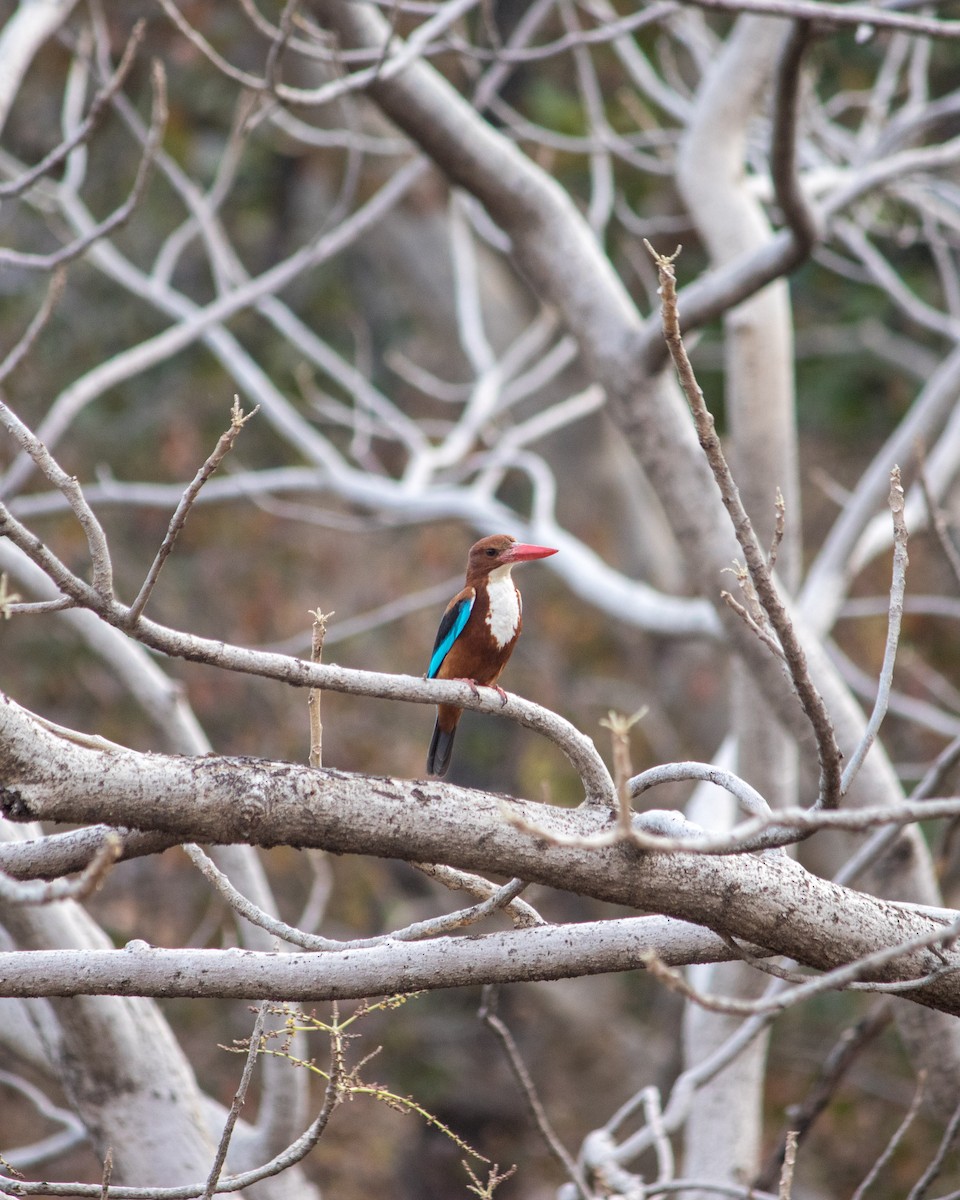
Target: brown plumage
{"x":478,"y":631}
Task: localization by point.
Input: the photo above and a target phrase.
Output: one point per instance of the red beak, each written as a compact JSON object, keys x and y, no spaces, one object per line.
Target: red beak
{"x":520,"y":552}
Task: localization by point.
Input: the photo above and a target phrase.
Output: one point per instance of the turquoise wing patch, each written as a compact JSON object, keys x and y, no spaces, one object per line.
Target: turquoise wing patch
{"x":450,"y":629}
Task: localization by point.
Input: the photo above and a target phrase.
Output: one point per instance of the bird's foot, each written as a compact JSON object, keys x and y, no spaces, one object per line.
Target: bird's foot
{"x":475,"y":688}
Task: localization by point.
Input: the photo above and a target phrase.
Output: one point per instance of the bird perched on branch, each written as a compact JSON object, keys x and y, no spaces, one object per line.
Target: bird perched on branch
{"x":478,"y":632}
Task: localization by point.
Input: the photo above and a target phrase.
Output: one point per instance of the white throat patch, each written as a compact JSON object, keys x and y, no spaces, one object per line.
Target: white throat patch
{"x":503,"y":617}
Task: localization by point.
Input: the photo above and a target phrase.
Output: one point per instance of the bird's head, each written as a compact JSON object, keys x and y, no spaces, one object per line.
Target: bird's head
{"x":502,"y":550}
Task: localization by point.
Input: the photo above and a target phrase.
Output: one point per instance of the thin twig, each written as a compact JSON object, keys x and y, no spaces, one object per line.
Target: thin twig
{"x":620,"y":727}
{"x":20,"y":351}
{"x":843,"y":977}
{"x":107,"y":1173}
{"x":320,"y":620}
{"x":97,"y":108}
{"x":26,"y":439}
{"x":785,"y":1190}
{"x":758,"y":630}
{"x":521,"y":913}
{"x":802,"y":1117}
{"x":896,"y":1139}
{"x":119,"y":217}
{"x":919,"y":1189}
{"x":938,"y":523}
{"x":223,"y":447}
{"x":779,"y":528}
{"x":239,"y":1097}
{"x":894,"y":620}
{"x":499,"y":897}
{"x":408,"y":51}
{"x":529,"y":1091}
{"x":810,"y":699}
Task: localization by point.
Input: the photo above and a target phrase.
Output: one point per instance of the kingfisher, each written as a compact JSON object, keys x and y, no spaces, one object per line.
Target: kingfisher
{"x":478,"y":631}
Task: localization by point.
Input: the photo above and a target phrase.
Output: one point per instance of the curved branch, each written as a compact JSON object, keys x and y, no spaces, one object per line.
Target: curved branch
{"x":783,"y":145}
{"x":579,"y":749}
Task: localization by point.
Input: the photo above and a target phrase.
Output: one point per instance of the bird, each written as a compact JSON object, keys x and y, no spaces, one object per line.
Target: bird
{"x":478,"y":631}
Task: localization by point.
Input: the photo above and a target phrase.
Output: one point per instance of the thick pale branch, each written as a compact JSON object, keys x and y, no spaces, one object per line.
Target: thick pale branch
{"x":34,"y":891}
{"x":766,"y":900}
{"x":543,"y":952}
{"x":839,"y":14}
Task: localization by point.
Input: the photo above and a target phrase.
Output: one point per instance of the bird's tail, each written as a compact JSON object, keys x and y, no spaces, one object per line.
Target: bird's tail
{"x":441,"y":747}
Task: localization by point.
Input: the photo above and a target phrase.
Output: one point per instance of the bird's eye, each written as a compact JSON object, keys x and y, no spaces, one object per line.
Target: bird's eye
{"x":491,"y":553}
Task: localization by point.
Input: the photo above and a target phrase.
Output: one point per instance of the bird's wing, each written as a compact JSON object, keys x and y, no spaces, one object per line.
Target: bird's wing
{"x":454,"y":619}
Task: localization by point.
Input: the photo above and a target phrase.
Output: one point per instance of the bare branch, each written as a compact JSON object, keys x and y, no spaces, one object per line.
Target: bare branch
{"x":522,"y":914}
{"x":237,"y":1103}
{"x":495,"y":1024}
{"x":783,"y":147}
{"x":854,"y":1040}
{"x":23,"y":347}
{"x":812,"y":703}
{"x":320,"y":620}
{"x":848,"y":976}
{"x":223,"y":447}
{"x":894,"y":619}
{"x":70,"y":487}
{"x":82,"y":133}
{"x":920,"y":1188}
{"x":496,"y":898}
{"x":388,"y":62}
{"x":544,"y":952}
{"x":840,"y":14}
{"x":888,"y":1152}
{"x":18,"y":892}
{"x":748,"y":798}
{"x":119,"y":217}
{"x":938,"y":523}
{"x":281,"y":802}
{"x":60,"y":854}
{"x":760,"y":630}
